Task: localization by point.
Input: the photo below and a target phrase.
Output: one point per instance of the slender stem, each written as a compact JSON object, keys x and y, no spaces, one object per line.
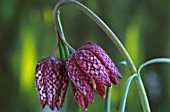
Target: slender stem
{"x":125,"y":93}
{"x":152,"y":61}
{"x":59,"y":29}
{"x":113,"y":37}
{"x":61,"y":49}
{"x":142,"y":94}
{"x":108,"y":97}
{"x":62,"y":33}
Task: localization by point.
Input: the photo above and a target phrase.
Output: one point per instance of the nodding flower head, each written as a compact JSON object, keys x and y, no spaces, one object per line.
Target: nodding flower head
{"x":51,"y":82}
{"x":90,"y":69}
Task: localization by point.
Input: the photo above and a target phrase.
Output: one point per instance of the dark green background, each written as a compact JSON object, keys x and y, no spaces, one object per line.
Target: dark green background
{"x":27,"y":34}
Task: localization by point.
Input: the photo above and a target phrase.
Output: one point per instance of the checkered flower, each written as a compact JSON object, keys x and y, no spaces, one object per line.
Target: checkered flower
{"x":51,"y":82}
{"x":90,"y":69}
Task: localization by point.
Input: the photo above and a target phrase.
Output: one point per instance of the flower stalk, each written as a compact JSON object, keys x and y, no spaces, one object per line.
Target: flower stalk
{"x":108,"y":98}
{"x":142,"y":94}
{"x":114,"y":38}
{"x":125,"y":93}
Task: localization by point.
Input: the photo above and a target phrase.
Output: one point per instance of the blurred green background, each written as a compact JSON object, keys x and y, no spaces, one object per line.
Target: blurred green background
{"x":27,"y":34}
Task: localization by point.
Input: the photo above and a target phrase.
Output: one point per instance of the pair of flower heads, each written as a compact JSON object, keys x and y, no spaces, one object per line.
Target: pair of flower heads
{"x":89,"y":69}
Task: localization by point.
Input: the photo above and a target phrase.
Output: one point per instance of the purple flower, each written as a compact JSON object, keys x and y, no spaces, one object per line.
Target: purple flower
{"x":90,"y":69}
{"x":51,"y":82}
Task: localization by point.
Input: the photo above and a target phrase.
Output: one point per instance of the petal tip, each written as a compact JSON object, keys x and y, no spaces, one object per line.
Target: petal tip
{"x":104,"y":96}
{"x":51,"y":107}
{"x":43,"y":106}
{"x":120,"y":76}
{"x":109,"y":85}
{"x":117,"y":83}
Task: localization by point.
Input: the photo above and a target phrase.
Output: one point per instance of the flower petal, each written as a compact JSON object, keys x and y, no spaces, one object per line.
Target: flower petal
{"x":62,"y":84}
{"x":103,"y":57}
{"x":78,"y":78}
{"x":40,"y":85}
{"x":114,"y":80}
{"x":100,"y":90}
{"x":80,"y":98}
{"x":54,"y":82}
{"x":93,"y":68}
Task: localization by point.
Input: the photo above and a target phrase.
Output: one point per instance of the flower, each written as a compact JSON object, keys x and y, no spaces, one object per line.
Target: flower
{"x":90,"y":69}
{"x":51,"y":82}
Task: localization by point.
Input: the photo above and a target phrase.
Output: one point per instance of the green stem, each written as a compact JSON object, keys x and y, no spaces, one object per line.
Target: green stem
{"x":108,"y":97}
{"x":125,"y":93}
{"x":59,"y":28}
{"x":67,"y":53}
{"x":152,"y":61}
{"x":142,"y":94}
{"x":116,"y":41}
{"x":61,"y":49}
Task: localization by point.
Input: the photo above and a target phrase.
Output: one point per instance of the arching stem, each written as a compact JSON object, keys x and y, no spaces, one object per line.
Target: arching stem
{"x":112,"y":36}
{"x":105,"y":28}
{"x":59,"y":31}
{"x":67,"y":53}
